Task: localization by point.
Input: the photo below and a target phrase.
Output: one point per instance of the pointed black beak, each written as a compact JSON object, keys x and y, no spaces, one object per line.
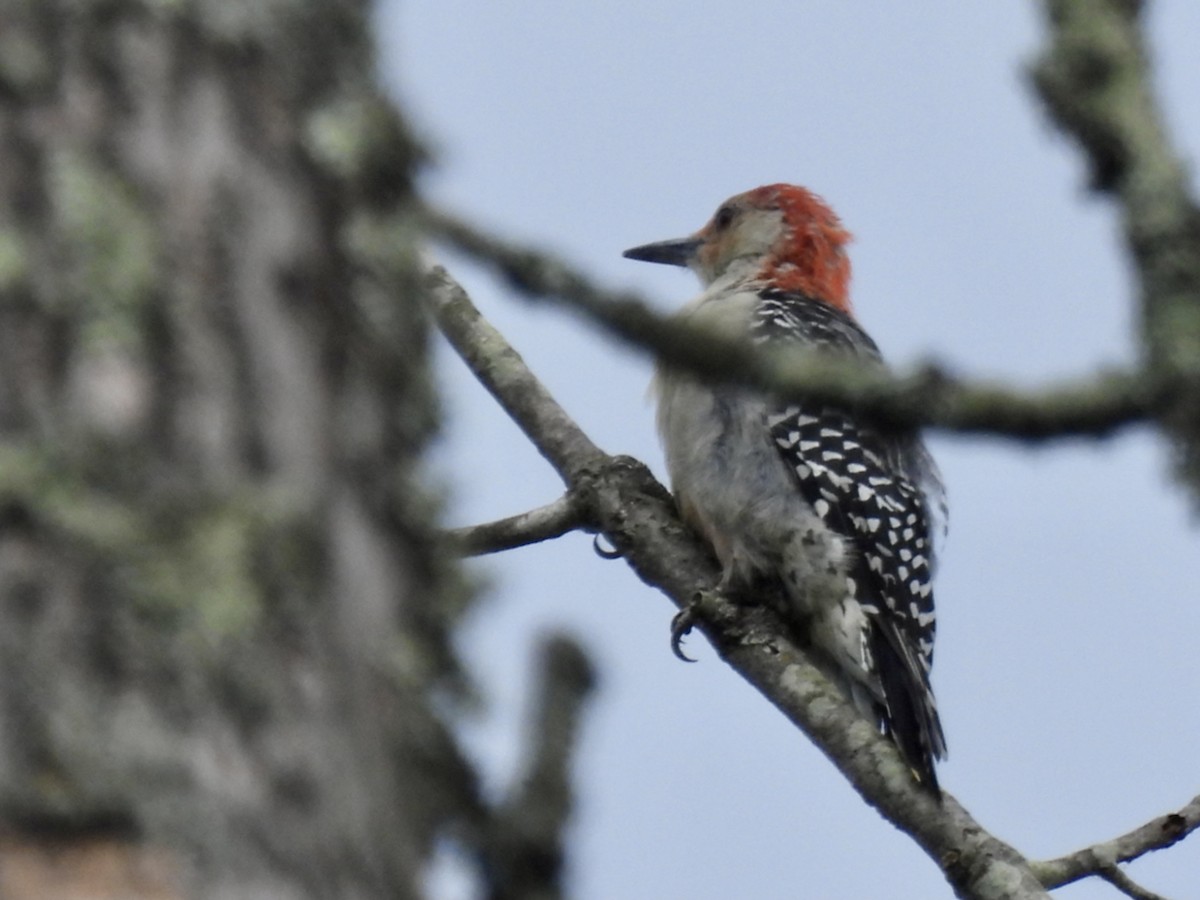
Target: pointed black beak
{"x":671,"y":253}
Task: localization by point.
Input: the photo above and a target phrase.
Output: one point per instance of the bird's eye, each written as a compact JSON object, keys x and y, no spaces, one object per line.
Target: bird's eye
{"x":723,"y":217}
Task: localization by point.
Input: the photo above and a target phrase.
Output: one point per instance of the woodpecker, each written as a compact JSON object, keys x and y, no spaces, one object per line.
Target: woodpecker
{"x":806,"y":502}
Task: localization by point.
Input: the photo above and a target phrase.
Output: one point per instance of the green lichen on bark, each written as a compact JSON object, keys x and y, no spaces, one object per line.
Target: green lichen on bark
{"x":107,"y":244}
{"x":203,"y":562}
{"x":366,"y":147}
{"x":245,"y":567}
{"x":13,"y":263}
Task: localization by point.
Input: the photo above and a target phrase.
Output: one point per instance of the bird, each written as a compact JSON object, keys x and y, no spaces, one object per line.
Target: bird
{"x":808,"y":503}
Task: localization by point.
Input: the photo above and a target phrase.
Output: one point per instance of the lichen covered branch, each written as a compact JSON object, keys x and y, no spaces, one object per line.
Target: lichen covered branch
{"x":1094,"y":79}
{"x":542,"y":524}
{"x":1157,"y":834}
{"x":1097,"y":406}
{"x":501,"y":370}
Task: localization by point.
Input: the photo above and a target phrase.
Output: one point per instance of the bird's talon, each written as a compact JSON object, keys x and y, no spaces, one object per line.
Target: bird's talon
{"x":681,"y":625}
{"x":605,"y":552}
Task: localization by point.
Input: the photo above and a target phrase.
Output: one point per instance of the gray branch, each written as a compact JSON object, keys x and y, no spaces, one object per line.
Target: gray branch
{"x":1127,"y":885}
{"x":1157,"y":834}
{"x":501,"y":370}
{"x":1094,"y":79}
{"x":542,"y":524}
{"x":1096,"y":406}
{"x":525,"y":851}
{"x":638,"y":516}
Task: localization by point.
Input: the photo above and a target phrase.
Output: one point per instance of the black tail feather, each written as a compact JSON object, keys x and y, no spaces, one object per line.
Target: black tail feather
{"x":910,"y":717}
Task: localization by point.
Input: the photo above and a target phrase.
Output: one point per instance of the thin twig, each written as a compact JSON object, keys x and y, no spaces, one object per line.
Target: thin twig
{"x":542,"y":524}
{"x":1127,"y":885}
{"x":1157,"y":834}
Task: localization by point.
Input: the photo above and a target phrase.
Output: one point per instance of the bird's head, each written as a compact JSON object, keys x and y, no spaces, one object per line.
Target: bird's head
{"x":779,"y":234}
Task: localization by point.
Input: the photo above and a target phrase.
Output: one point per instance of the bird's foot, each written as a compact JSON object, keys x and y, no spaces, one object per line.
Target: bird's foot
{"x":681,"y":625}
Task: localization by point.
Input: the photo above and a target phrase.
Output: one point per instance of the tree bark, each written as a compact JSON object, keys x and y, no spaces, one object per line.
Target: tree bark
{"x":222,"y":611}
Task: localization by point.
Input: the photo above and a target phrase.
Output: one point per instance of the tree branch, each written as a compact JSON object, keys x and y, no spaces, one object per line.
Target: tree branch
{"x":541,"y":524}
{"x":1094,"y":79}
{"x":1127,"y":885}
{"x":638,"y":516}
{"x":501,"y":370}
{"x":525,"y":852}
{"x":1157,"y":834}
{"x":929,"y":397}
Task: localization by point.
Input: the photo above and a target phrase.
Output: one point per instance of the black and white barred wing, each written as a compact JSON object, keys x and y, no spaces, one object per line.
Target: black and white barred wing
{"x":883,"y":493}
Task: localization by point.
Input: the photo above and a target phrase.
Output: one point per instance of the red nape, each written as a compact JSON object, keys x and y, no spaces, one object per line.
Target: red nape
{"x":811,"y":257}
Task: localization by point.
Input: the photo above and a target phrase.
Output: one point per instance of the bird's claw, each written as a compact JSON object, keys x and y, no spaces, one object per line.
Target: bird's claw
{"x":681,"y":624}
{"x":605,"y":552}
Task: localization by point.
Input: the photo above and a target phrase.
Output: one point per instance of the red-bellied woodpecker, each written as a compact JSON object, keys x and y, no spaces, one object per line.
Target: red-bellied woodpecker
{"x":806,"y":501}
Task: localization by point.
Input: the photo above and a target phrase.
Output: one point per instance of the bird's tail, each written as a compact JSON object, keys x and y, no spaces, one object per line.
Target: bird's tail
{"x":910,"y":714}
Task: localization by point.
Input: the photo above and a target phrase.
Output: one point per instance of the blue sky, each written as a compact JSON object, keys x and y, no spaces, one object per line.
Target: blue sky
{"x":1066,"y":665}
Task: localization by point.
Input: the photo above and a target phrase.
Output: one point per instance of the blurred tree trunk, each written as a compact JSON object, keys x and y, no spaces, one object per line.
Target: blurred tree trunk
{"x":222,"y":622}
